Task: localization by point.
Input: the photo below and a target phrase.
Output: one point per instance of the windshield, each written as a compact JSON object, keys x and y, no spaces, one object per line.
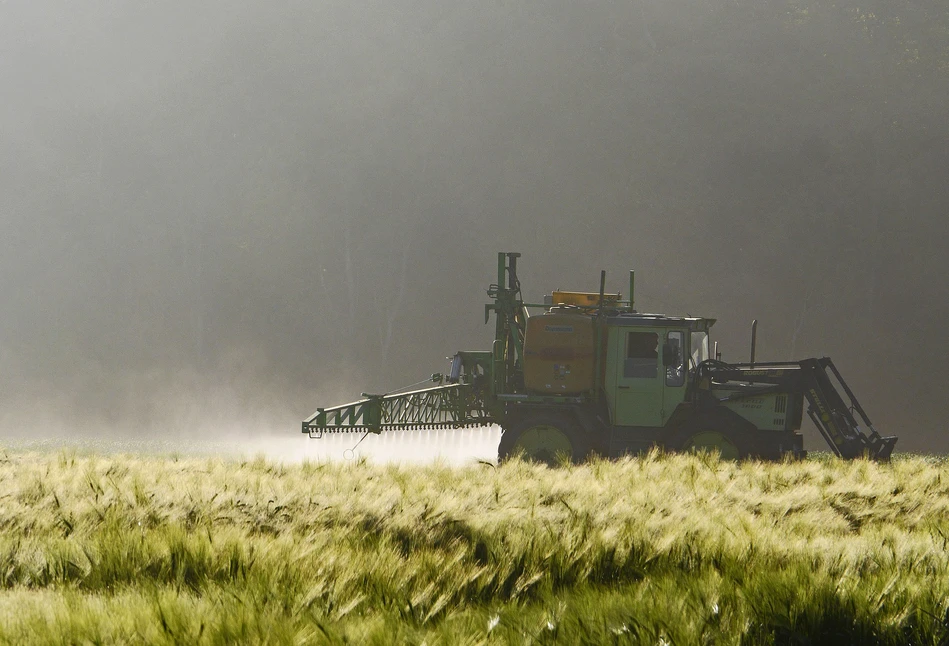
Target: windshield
{"x":699,"y":348}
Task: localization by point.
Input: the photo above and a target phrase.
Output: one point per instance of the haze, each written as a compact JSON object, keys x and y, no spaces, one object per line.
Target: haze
{"x":218,"y":216}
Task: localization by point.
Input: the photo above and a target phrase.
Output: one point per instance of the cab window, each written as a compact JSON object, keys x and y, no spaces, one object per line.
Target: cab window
{"x":642,"y":355}
{"x":675,"y":361}
{"x":699,"y":348}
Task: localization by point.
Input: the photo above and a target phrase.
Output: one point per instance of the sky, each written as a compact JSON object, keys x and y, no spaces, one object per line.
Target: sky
{"x":218,"y":216}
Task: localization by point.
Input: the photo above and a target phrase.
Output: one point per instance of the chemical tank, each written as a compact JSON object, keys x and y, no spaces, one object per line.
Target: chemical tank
{"x":558,"y":353}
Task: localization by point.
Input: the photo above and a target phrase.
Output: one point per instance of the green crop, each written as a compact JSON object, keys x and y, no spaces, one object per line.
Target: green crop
{"x":652,"y":550}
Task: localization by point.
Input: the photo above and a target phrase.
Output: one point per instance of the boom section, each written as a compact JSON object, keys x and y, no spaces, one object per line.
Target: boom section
{"x":445,"y":406}
{"x":837,"y":415}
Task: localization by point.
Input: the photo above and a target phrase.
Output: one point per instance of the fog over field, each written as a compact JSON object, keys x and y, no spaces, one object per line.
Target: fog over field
{"x":218,"y":216}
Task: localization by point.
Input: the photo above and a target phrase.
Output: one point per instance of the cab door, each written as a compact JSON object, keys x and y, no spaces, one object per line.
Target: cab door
{"x":647,"y":376}
{"x":637,"y":377}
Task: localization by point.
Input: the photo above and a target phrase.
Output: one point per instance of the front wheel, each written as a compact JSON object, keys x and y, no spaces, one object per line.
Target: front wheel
{"x":551,"y":439}
{"x":709,"y":440}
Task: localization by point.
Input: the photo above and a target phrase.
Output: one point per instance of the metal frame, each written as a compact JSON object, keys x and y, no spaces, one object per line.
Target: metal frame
{"x":444,"y":406}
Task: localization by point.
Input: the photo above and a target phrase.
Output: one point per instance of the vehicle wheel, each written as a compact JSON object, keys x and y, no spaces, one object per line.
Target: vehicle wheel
{"x":543,"y":438}
{"x":712,"y":441}
{"x":729,"y":443}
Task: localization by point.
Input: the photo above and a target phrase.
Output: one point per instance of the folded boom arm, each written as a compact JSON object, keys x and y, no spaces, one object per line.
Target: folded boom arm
{"x":444,"y":406}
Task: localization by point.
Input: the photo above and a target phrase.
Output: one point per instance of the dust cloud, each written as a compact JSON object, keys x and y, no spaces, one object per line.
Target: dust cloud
{"x":218,"y":216}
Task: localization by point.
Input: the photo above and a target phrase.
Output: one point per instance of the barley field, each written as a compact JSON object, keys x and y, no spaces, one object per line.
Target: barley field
{"x":107,"y":549}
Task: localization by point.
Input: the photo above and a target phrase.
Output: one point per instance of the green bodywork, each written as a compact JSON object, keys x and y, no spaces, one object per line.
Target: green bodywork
{"x":768,"y":411}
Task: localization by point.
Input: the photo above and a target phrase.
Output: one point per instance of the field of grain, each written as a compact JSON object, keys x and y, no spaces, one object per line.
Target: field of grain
{"x":652,"y":550}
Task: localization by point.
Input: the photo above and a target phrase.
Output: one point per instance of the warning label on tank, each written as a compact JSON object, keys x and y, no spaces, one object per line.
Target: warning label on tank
{"x":559,"y":328}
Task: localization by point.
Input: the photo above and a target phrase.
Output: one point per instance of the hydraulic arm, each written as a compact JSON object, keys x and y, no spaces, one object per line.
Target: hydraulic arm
{"x":833,"y":415}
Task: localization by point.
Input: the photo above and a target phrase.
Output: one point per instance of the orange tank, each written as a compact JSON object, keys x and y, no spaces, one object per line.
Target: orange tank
{"x":558,"y":353}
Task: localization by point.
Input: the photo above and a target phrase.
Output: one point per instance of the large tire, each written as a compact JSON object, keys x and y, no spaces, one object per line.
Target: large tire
{"x":543,"y":437}
{"x":711,"y":436}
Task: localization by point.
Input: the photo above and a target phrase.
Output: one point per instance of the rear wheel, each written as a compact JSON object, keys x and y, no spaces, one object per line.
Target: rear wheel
{"x":550,"y":439}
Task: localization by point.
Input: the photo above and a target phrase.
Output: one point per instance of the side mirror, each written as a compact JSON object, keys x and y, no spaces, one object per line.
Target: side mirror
{"x":670,"y":355}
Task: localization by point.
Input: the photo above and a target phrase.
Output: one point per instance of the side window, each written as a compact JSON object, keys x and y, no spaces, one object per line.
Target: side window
{"x":674,"y":348}
{"x":642,"y":355}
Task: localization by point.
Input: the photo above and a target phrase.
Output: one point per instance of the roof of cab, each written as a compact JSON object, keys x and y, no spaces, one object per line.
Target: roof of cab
{"x":641,"y":319}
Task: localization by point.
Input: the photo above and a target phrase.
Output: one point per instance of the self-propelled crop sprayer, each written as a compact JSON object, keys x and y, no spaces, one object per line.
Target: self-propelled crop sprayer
{"x":587,"y":373}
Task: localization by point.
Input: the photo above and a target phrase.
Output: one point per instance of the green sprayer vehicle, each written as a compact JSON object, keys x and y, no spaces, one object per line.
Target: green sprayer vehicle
{"x":585,"y":373}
